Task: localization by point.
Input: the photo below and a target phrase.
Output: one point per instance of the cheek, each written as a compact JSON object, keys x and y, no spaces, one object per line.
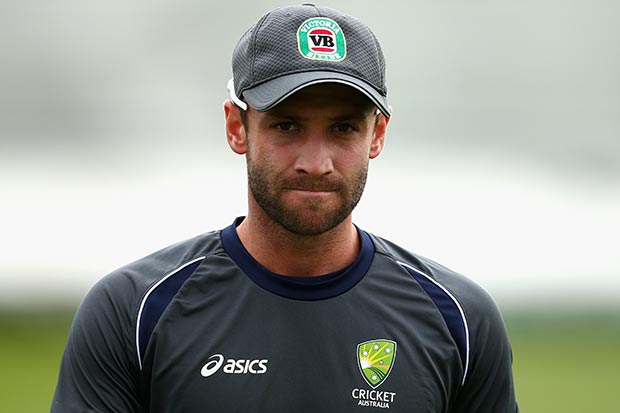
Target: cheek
{"x":277,"y":158}
{"x":352,"y":157}
{"x":259,"y":155}
{"x":264,"y":164}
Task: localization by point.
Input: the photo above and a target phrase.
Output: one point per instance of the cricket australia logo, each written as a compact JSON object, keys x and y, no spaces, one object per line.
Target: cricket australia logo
{"x":320,"y":38}
{"x":375,"y":359}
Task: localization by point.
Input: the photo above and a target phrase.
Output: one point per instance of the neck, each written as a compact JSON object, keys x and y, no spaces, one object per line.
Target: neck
{"x":286,"y":253}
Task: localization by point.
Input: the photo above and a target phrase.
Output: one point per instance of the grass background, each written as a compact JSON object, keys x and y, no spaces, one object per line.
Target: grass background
{"x":561,"y":363}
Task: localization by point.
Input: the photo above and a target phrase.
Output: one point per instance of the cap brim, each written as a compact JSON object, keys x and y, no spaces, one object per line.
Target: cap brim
{"x":267,"y":95}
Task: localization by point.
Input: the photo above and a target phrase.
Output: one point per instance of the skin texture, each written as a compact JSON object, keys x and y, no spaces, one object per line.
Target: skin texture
{"x":307,"y":160}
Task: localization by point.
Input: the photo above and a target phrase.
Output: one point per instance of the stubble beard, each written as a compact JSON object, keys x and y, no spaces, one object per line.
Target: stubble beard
{"x":268,"y":189}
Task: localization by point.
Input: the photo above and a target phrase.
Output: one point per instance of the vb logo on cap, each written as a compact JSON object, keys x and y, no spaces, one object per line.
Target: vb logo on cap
{"x":320,"y":38}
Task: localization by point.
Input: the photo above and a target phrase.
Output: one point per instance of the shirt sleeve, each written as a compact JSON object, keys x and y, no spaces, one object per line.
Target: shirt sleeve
{"x":99,"y":371}
{"x":489,"y":386}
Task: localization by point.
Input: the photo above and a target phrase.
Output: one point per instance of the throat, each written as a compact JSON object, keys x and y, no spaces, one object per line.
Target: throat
{"x":284,"y":253}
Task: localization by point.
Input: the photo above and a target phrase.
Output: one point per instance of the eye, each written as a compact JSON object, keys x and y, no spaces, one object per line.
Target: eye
{"x":285,"y":126}
{"x":344,"y":128}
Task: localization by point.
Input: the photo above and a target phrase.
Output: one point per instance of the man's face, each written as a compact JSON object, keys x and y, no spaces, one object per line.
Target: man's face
{"x":307,"y":158}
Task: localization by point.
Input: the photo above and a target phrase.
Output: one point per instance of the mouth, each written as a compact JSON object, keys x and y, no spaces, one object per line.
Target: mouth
{"x":312,"y":191}
{"x":314,"y":188}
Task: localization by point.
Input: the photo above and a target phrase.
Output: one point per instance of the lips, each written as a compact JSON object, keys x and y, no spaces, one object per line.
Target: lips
{"x":313,"y":189}
{"x":313,"y":186}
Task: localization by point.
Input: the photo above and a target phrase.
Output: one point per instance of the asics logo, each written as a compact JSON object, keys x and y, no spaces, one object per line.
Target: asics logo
{"x":232,"y":366}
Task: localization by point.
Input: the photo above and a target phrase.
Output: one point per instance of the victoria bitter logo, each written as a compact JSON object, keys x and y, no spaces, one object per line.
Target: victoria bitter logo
{"x":320,"y":38}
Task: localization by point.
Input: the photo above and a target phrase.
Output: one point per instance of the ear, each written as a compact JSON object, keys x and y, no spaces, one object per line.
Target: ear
{"x":378,"y":139}
{"x":235,"y":131}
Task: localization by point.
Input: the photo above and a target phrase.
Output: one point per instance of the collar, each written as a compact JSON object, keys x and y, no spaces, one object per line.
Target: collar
{"x":299,"y":288}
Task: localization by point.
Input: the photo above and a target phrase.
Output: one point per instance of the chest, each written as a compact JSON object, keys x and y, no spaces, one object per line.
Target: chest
{"x":240,"y":348}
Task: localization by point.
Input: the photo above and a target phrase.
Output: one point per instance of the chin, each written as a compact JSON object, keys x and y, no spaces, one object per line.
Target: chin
{"x":309,"y":225}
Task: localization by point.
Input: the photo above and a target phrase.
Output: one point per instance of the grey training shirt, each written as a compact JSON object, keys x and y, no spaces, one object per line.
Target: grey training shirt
{"x":202,"y":327}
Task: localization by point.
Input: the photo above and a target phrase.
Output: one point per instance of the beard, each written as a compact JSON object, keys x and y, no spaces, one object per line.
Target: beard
{"x":312,"y":216}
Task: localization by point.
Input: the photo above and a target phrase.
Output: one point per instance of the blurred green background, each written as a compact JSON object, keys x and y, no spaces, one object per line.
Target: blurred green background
{"x":565,"y":364}
{"x":502,"y":162}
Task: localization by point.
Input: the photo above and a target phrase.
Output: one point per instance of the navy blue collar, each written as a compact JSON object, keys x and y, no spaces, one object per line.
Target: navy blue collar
{"x":299,"y":288}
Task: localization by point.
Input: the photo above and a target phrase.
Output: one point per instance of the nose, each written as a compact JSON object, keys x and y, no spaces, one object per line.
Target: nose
{"x":315,"y":156}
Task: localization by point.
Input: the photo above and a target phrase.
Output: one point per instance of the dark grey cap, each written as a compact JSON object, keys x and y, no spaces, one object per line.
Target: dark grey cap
{"x":293,"y":47}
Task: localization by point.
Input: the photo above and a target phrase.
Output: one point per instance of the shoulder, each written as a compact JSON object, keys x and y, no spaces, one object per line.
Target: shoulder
{"x":101,"y":362}
{"x":135,"y":278}
{"x":472,"y":297}
{"x":470,"y":313}
{"x":113,"y":305}
{"x":119,"y":294}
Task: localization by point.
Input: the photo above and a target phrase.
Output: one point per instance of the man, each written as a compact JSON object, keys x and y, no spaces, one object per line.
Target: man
{"x":292,"y":308}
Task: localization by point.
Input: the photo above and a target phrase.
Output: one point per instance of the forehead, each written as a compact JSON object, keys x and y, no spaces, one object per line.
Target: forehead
{"x":331,"y":96}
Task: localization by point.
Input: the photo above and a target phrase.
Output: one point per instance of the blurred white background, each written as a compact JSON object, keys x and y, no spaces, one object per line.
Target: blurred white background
{"x":502,"y":160}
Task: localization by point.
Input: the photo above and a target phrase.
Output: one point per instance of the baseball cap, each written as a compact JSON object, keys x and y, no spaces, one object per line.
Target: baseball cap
{"x":293,"y":47}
